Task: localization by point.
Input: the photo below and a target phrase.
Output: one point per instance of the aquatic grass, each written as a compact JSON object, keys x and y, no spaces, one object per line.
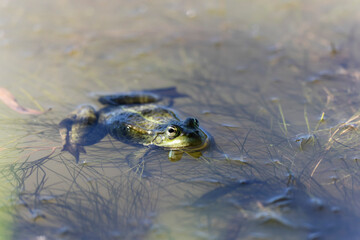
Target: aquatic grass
{"x":84,"y":197}
{"x":339,"y":130}
{"x":262,"y":138}
{"x":321,"y":121}
{"x":6,"y":210}
{"x":307,"y":120}
{"x":284,"y":124}
{"x":32,"y":99}
{"x":10,"y":158}
{"x":88,"y":203}
{"x":89,"y":206}
{"x":34,"y":78}
{"x":91,"y":75}
{"x":102,"y":196}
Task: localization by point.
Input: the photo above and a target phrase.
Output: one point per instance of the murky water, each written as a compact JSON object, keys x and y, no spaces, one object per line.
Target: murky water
{"x":274,"y":83}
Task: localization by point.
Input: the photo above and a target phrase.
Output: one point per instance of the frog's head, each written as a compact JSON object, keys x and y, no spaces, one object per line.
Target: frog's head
{"x":184,"y":135}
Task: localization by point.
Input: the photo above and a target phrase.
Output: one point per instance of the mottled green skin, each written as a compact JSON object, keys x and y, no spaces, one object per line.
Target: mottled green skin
{"x":138,"y":123}
{"x":148,"y":124}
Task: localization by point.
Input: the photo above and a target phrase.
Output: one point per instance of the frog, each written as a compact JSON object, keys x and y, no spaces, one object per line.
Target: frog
{"x":134,"y":118}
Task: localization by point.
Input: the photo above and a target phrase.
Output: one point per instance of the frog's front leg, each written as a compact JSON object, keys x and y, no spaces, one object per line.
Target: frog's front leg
{"x":175,"y":155}
{"x":81,"y":128}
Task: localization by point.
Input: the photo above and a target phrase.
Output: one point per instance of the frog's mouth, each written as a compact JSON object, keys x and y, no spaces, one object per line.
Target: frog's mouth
{"x":204,"y":143}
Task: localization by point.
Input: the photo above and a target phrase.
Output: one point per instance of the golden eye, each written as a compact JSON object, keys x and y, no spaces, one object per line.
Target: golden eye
{"x":172,"y":132}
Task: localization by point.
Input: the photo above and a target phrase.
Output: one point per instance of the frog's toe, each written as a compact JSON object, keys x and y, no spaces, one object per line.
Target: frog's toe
{"x":74,"y":149}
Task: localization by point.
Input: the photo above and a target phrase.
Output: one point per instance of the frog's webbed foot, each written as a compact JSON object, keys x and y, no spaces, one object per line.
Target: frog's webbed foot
{"x":140,"y":97}
{"x":74,"y":149}
{"x":129,"y":98}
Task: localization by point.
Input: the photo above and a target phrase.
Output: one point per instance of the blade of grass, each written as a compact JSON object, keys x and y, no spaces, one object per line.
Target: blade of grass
{"x":283,"y":119}
{"x":307,"y":120}
{"x":32,"y":99}
{"x":320,"y":121}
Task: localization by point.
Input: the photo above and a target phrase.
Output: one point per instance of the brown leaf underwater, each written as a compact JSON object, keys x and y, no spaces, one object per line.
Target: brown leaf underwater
{"x":10,"y":101}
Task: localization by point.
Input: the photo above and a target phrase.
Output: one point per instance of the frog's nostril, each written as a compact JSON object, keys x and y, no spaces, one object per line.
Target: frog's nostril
{"x":191,"y":122}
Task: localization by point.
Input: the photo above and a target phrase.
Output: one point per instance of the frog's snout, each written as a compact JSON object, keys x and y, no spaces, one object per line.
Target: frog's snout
{"x":194,"y":134}
{"x":191,"y":122}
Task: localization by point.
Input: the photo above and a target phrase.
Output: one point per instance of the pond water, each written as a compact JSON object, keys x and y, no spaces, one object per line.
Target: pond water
{"x":274,"y":83}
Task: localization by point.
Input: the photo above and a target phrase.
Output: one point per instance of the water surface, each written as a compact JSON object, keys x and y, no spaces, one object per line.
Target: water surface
{"x":275,"y":84}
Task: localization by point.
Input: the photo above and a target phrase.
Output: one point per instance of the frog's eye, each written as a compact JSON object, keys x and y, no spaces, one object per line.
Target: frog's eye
{"x":172,"y":132}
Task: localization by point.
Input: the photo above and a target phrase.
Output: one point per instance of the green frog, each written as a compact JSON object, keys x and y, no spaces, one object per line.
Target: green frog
{"x":133,"y":118}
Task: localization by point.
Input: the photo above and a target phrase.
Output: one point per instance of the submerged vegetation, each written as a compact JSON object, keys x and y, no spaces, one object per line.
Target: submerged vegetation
{"x":260,"y":172}
{"x":282,"y":107}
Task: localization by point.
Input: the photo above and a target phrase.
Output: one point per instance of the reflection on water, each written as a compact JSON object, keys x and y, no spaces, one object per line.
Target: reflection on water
{"x":275,"y":84}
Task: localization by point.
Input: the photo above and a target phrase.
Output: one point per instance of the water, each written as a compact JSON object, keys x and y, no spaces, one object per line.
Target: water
{"x":275,"y":84}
